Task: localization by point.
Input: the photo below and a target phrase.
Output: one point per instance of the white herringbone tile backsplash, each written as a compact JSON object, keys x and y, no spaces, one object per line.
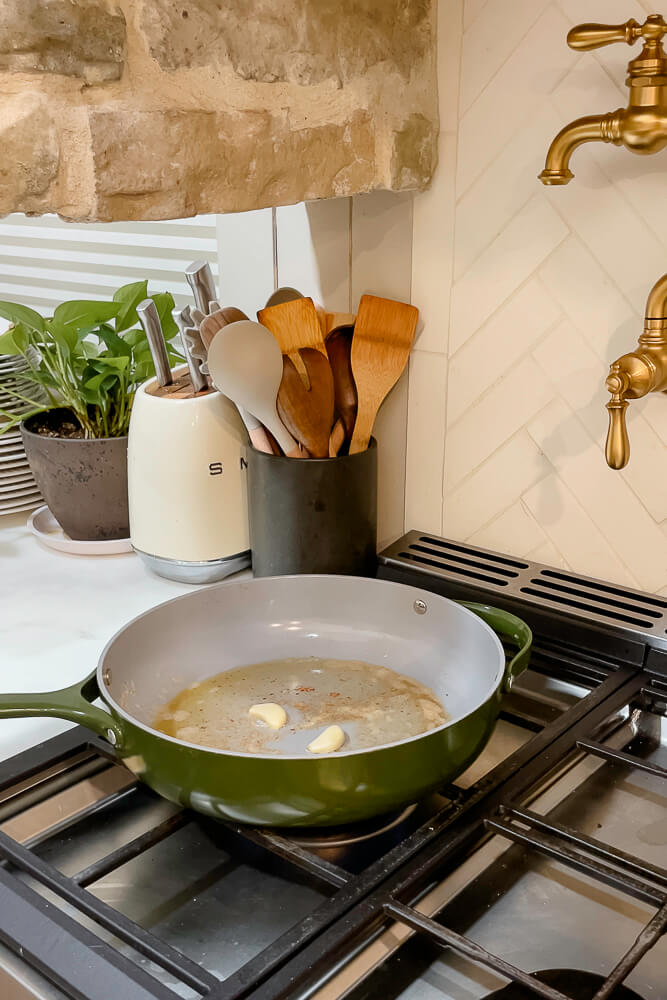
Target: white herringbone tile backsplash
{"x":548,"y":286}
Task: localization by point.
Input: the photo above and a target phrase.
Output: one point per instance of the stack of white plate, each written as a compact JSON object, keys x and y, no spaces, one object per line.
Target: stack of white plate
{"x":18,"y":489}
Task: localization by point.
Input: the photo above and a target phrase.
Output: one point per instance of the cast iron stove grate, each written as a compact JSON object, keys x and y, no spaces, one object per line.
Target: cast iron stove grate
{"x":41,"y":906}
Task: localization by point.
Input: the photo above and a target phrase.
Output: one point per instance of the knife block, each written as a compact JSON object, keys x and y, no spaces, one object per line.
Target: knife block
{"x":187,"y":484}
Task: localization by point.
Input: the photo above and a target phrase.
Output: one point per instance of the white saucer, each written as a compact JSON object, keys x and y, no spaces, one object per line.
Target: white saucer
{"x":44,"y":526}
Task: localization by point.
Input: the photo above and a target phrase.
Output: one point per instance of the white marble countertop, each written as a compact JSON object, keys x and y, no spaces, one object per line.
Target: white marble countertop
{"x":57,"y":612}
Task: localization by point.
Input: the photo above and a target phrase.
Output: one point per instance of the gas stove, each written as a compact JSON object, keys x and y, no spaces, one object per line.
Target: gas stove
{"x":541,"y":872}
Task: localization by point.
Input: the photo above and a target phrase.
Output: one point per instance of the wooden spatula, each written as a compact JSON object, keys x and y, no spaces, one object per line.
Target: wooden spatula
{"x":338,"y":347}
{"x":308,"y":413}
{"x":294,"y":324}
{"x":383,"y":334}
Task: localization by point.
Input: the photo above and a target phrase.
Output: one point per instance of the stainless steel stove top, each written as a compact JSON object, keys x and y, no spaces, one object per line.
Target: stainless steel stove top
{"x":550,"y":852}
{"x":532,"y":910}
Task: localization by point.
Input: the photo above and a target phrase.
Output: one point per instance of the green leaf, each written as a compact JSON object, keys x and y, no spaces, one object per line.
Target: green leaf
{"x":135,"y":337}
{"x":144,"y":370}
{"x":103,"y":363}
{"x":89,"y":349}
{"x":115,"y":344}
{"x":96,"y":381}
{"x":164,"y":303}
{"x":64,"y":336}
{"x":129,"y":297}
{"x":173,"y":354}
{"x":15,"y":340}
{"x":16,"y":313}
{"x":82,"y":313}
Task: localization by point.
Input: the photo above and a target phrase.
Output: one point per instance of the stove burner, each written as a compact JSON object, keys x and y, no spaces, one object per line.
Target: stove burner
{"x":342,"y":836}
{"x":570,"y":982}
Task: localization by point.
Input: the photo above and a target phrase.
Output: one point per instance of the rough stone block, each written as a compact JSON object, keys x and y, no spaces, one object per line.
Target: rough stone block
{"x":212,"y":105}
{"x":84,"y":38}
{"x":298,"y":41}
{"x":30,"y":153}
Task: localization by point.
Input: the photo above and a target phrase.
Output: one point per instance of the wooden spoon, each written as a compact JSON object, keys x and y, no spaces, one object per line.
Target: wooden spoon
{"x":338,"y":347}
{"x":210,"y":325}
{"x":383,"y":334}
{"x":336,"y":438}
{"x":246,"y":364}
{"x":308,"y":413}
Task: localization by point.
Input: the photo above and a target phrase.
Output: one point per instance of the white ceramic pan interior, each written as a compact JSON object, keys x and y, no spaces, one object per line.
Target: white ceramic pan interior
{"x":446,"y":646}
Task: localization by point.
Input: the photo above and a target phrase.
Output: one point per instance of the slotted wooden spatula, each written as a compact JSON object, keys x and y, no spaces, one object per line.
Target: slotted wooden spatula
{"x":294,"y":324}
{"x":383,"y":334}
{"x":308,"y":413}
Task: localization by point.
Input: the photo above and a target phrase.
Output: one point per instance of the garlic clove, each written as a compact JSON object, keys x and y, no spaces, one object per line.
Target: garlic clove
{"x":331,"y":739}
{"x":274,"y":716}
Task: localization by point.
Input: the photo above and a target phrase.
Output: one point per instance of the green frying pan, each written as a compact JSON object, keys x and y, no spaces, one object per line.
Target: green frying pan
{"x":450,"y":647}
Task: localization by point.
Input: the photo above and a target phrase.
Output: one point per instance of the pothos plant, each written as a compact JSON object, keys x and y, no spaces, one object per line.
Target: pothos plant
{"x":89,"y":357}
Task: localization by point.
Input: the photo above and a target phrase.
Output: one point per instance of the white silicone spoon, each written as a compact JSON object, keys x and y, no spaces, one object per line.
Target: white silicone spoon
{"x":246,"y":364}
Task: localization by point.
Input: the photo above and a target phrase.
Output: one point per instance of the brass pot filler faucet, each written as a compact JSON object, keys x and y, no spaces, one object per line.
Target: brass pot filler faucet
{"x":641,"y":128}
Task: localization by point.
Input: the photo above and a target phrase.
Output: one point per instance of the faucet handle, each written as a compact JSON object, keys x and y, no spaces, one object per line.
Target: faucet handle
{"x":617,"y":448}
{"x":593,"y":36}
{"x":585,"y":37}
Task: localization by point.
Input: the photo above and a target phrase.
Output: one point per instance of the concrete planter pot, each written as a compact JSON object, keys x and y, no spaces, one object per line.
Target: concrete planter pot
{"x":84,"y":481}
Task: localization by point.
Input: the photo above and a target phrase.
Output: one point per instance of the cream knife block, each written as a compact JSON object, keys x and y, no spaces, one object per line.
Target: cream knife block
{"x":187,"y":485}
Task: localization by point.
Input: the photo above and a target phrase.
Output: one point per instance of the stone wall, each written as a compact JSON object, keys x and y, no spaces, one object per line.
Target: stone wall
{"x":162,"y":109}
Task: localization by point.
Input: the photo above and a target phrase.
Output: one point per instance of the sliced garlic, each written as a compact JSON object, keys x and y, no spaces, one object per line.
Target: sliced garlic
{"x":273,"y":715}
{"x":332,"y":738}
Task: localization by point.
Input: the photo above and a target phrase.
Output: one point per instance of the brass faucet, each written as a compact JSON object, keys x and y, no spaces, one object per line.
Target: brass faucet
{"x":637,"y":374}
{"x":642,"y":126}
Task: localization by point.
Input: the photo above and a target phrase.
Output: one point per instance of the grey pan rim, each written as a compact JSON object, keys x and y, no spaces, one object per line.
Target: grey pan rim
{"x":418,"y":595}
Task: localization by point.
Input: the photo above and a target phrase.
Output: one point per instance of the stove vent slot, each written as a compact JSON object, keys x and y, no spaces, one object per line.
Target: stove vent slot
{"x":490,"y":557}
{"x":472,"y":564}
{"x":642,"y":599}
{"x":623,"y":606}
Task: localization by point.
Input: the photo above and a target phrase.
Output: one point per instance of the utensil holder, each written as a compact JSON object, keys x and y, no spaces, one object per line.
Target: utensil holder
{"x":314,"y":515}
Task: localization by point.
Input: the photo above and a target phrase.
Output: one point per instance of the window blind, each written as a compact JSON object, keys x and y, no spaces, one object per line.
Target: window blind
{"x":45,"y":261}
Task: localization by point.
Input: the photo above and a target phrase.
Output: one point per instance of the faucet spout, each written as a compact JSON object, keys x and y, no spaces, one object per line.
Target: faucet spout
{"x":642,"y":126}
{"x":656,"y":303}
{"x":638,"y":373}
{"x":592,"y":128}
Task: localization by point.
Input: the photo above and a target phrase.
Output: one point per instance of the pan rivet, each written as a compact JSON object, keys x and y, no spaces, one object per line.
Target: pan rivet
{"x":106,"y":676}
{"x":420,"y":607}
{"x":111,"y":736}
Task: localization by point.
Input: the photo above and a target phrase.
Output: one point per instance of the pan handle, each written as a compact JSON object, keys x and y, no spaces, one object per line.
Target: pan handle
{"x":71,"y":703}
{"x":510,"y":627}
